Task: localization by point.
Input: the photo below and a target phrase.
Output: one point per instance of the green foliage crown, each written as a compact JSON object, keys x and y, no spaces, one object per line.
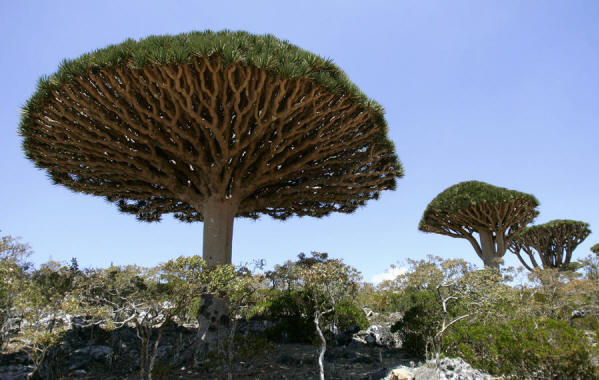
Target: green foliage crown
{"x":554,"y":224}
{"x":469,"y":193}
{"x":277,"y":56}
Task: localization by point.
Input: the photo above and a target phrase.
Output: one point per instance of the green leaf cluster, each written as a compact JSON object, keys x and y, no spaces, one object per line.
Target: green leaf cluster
{"x":551,"y":225}
{"x":523,"y":347}
{"x":13,"y":280}
{"x":41,"y":305}
{"x":420,"y":321}
{"x":314,"y":283}
{"x":523,"y":330}
{"x":425,"y":286}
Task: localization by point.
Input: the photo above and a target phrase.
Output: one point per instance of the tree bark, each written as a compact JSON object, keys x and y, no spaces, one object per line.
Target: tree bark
{"x":144,"y":335}
{"x":218,"y":230}
{"x":489,"y":253}
{"x":323,"y":344}
{"x":155,"y":350}
{"x":230,"y":348}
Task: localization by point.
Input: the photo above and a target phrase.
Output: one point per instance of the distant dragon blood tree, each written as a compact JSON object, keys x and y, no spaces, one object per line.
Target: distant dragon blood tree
{"x":210,"y":126}
{"x":553,"y":242}
{"x":473,"y":207}
{"x":595,"y":249}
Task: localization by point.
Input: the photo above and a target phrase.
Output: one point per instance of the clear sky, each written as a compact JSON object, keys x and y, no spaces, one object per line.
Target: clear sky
{"x":505,"y":92}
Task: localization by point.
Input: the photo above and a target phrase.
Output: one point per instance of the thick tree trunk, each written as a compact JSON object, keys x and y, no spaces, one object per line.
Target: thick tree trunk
{"x":489,"y":252}
{"x":218,"y":231}
{"x":213,"y":317}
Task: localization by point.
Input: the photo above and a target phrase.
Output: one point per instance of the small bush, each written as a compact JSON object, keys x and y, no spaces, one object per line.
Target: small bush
{"x":420,"y":320}
{"x":349,"y":315}
{"x":524,"y":347}
{"x":589,"y":322}
{"x":286,"y":303}
{"x":293,"y":321}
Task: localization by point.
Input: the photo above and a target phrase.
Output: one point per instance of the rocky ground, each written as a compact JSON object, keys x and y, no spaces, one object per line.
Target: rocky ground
{"x":284,"y":362}
{"x":374,"y":353}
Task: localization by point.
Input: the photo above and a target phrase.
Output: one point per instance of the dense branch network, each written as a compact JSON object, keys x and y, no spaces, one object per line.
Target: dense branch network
{"x":166,"y":138}
{"x":553,"y":242}
{"x":210,"y":126}
{"x":503,"y":220}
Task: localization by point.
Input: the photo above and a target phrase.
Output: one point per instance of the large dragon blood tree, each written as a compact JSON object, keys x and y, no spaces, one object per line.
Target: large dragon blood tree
{"x":210,"y":126}
{"x":554,"y":243}
{"x":494,"y":213}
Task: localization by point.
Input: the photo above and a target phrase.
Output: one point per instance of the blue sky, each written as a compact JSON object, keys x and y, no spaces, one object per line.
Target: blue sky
{"x":505,"y":92}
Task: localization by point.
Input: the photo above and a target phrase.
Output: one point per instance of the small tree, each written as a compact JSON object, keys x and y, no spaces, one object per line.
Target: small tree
{"x":13,"y":280}
{"x":210,"y":126}
{"x":236,"y":286}
{"x":476,"y":291}
{"x":473,"y":207}
{"x":553,"y":242}
{"x":188,"y":279}
{"x":151,"y":298}
{"x":42,"y":306}
{"x":437,"y":294}
{"x":590,"y":264}
{"x":119,"y":296}
{"x":327,"y":282}
{"x":38,"y":341}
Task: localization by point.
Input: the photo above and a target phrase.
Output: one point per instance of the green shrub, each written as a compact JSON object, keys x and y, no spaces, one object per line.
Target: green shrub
{"x":293,"y":321}
{"x":589,"y":322}
{"x":14,"y":273}
{"x":420,"y":320}
{"x":294,"y":318}
{"x":348,"y":315}
{"x":541,"y":348}
{"x":286,"y":303}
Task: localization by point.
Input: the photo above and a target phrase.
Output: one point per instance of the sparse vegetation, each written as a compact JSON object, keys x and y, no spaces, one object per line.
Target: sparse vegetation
{"x":527,"y":330}
{"x":544,"y":326}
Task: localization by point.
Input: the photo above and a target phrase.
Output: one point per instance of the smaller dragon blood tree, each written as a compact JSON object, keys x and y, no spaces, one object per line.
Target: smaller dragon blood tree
{"x":595,"y":249}
{"x":494,"y":213}
{"x":208,"y":127}
{"x":553,"y":242}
